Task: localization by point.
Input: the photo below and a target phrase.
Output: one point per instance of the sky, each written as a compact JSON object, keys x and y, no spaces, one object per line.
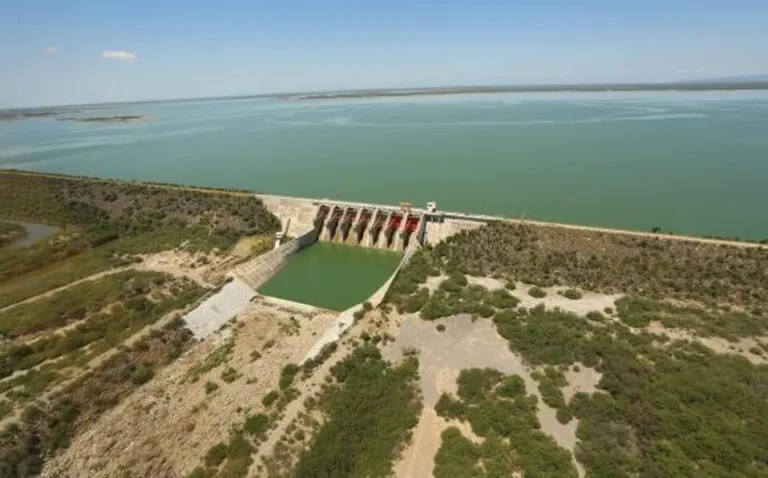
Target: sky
{"x":82,"y":51}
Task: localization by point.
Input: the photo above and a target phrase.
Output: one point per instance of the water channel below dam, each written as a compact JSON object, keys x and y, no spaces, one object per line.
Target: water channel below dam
{"x":332,"y":276}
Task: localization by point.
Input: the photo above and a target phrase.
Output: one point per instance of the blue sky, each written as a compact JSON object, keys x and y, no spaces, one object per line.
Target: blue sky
{"x":76,"y":51}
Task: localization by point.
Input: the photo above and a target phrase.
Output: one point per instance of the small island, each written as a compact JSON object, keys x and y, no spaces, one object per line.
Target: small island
{"x":112,"y":119}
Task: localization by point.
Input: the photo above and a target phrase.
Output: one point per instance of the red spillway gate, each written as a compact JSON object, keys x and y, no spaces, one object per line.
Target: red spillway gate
{"x":411,"y":224}
{"x":394,"y":223}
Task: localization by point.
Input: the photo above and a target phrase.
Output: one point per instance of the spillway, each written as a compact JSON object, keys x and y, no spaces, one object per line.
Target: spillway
{"x":383,"y":228}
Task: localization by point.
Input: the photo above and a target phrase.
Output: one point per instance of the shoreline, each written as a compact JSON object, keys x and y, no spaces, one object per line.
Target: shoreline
{"x":425,"y":91}
{"x":744,"y":243}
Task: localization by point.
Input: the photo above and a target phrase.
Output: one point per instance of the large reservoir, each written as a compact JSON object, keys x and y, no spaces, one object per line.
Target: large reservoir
{"x":332,"y":276}
{"x":688,"y":162}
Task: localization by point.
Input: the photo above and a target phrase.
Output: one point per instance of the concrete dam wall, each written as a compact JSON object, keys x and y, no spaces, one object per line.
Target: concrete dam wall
{"x":378,"y":226}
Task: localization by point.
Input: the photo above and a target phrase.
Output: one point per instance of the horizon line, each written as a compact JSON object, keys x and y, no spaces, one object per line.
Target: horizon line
{"x":727,"y":84}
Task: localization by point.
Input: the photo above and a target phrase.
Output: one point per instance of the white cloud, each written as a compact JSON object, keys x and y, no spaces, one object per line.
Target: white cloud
{"x":119,"y":55}
{"x":51,"y":50}
{"x":239,"y":71}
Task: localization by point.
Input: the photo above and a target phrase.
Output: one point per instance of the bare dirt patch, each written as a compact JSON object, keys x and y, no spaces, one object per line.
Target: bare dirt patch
{"x":199,"y":267}
{"x":589,"y":301}
{"x":745,"y":347}
{"x":580,"y":379}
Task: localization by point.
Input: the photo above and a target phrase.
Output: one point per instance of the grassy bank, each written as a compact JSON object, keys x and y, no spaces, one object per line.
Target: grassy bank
{"x":105,"y":222}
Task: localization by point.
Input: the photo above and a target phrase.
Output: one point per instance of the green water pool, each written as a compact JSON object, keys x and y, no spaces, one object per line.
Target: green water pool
{"x":332,"y":276}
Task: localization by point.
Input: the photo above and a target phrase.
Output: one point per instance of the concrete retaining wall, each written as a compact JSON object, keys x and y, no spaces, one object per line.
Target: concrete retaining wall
{"x":297,"y":215}
{"x":256,"y":271}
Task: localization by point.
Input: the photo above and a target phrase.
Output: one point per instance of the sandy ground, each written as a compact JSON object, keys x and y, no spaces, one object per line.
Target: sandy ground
{"x":442,"y":355}
{"x":718,"y":345}
{"x":166,"y":426}
{"x":197,"y":267}
{"x":589,"y":301}
{"x":584,"y":379}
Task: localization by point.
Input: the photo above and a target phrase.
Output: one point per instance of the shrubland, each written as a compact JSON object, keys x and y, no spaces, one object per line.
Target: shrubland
{"x":710,"y":274}
{"x":370,"y":409}
{"x":104,"y":222}
{"x":499,"y":411}
{"x":662,"y":407}
{"x":104,"y":312}
{"x":46,"y":427}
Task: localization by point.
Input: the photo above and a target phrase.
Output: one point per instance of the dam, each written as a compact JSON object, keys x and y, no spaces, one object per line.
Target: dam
{"x":336,"y":254}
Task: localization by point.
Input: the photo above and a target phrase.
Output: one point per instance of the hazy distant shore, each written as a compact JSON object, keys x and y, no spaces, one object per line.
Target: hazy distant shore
{"x":42,"y":111}
{"x":607,"y":88}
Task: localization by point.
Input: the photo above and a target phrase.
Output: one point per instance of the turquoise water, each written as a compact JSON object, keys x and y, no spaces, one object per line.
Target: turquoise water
{"x":332,"y":276}
{"x":687,"y":162}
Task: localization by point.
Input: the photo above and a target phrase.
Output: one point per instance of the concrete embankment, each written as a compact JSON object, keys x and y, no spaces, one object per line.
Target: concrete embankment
{"x":214,"y":311}
{"x":234,"y":297}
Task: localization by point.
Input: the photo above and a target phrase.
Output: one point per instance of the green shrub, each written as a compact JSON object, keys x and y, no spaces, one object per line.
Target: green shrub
{"x":564,"y":415}
{"x":216,"y":455}
{"x":596,"y":316}
{"x":270,"y":398}
{"x":287,"y":375}
{"x":229,"y":375}
{"x":573,"y":294}
{"x":537,"y":292}
{"x":142,"y":374}
{"x":501,"y":299}
{"x":457,"y":456}
{"x":447,"y":407}
{"x":475,"y":383}
{"x":200,"y":472}
{"x":512,"y":387}
{"x":440,"y":328}
{"x":210,"y":387}
{"x":256,"y":425}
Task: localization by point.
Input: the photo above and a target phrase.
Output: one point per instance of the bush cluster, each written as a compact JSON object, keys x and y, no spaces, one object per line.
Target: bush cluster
{"x":498,"y":410}
{"x":369,"y":411}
